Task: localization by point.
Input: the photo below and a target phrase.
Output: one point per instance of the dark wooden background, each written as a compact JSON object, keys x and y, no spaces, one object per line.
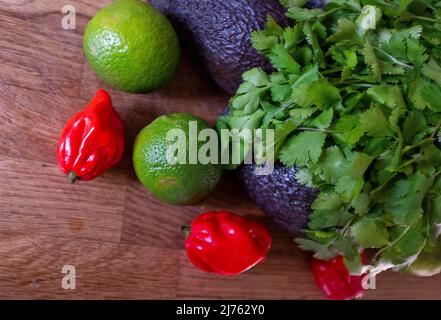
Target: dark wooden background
{"x":123,"y":242}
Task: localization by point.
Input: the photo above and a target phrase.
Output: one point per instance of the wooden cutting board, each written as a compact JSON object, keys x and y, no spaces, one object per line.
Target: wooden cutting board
{"x":122,"y":242}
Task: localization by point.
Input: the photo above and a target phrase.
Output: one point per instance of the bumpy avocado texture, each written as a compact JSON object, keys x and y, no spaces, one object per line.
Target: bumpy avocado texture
{"x":280,"y":196}
{"x":220,"y":31}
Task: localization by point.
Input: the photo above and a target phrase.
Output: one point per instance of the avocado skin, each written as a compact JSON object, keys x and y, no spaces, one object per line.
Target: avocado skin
{"x":220,"y":31}
{"x":280,"y":196}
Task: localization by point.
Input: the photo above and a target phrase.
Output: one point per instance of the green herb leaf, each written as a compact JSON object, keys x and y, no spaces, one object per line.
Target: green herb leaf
{"x":319,"y":93}
{"x":372,"y":61}
{"x":328,"y":211}
{"x":256,"y":76}
{"x":432,"y":70}
{"x":300,"y":14}
{"x":346,"y":29}
{"x":321,"y":251}
{"x":431,"y":93}
{"x":303,"y":148}
{"x":390,"y":96}
{"x":351,"y":180}
{"x":349,"y":129}
{"x":406,"y":197}
{"x":282,"y":60}
{"x":370,"y":233}
{"x":323,"y":120}
{"x":374,"y":122}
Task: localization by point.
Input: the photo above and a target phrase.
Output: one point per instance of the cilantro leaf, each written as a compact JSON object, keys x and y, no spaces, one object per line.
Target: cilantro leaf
{"x":256,"y":77}
{"x":312,"y":40}
{"x":372,"y":61}
{"x":321,"y":251}
{"x":348,"y":129}
{"x":390,"y":96}
{"x":370,"y":233}
{"x":272,"y":27}
{"x":346,"y":29}
{"x":406,"y":197}
{"x":431,"y":93}
{"x":300,"y":14}
{"x":415,"y":92}
{"x":432,"y":70}
{"x":261,"y":41}
{"x":303,"y":148}
{"x":293,"y":3}
{"x":416,"y":52}
{"x":323,"y":120}
{"x":248,"y":102}
{"x":292,"y":36}
{"x":328,"y":211}
{"x":307,"y":77}
{"x":330,"y":162}
{"x":409,"y":241}
{"x":374,"y":122}
{"x":321,"y":236}
{"x":319,"y":93}
{"x":413,"y":124}
{"x":302,"y":113}
{"x":351,"y":175}
{"x":361,"y":202}
{"x":282,"y":60}
{"x":247,"y":121}
{"x":304,"y":177}
{"x":396,"y":46}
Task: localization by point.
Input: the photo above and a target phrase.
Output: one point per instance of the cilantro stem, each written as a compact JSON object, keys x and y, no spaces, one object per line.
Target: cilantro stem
{"x":393,"y":59}
{"x":324,"y":14}
{"x":345,"y":229}
{"x":424,"y":18}
{"x":374,"y":192}
{"x":333,"y":70}
{"x":363,"y":85}
{"x":350,"y":83}
{"x":390,"y":245}
{"x":315,"y":129}
{"x":438,"y":126}
{"x":400,"y":140}
{"x":386,"y":4}
{"x":422,"y":143}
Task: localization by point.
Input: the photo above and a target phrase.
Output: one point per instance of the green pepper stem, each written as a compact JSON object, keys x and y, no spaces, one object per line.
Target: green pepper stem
{"x":186,"y":231}
{"x":73,"y":177}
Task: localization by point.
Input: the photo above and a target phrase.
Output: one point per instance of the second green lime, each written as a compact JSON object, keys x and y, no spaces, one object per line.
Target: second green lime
{"x":132,"y":46}
{"x":179,"y":183}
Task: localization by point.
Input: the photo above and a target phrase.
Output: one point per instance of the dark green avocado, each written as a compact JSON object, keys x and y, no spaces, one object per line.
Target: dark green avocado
{"x":220,"y":31}
{"x":280,"y":196}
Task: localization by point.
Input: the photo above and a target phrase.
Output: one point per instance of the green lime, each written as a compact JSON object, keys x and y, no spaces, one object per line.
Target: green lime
{"x":132,"y":46}
{"x":178,"y":183}
{"x":428,"y":262}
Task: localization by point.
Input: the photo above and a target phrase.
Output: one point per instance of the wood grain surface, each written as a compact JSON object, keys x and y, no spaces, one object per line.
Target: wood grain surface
{"x":122,"y":241}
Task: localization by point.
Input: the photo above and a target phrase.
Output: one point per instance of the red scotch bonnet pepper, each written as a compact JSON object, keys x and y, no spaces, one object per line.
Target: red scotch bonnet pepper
{"x":333,"y":278}
{"x":92,"y":140}
{"x":225,"y":243}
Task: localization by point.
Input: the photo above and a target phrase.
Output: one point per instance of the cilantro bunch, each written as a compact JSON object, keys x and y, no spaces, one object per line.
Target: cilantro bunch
{"x":355,"y":102}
